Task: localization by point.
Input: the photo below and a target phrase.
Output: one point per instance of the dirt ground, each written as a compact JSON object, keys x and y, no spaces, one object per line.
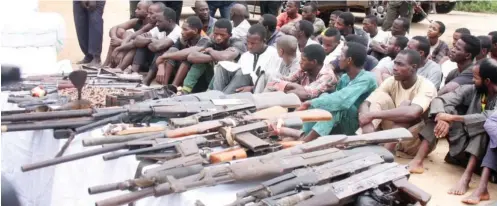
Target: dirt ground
{"x":438,"y":177}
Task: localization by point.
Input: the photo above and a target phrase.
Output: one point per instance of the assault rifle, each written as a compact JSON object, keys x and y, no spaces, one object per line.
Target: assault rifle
{"x":270,"y":165}
{"x":344,"y":191}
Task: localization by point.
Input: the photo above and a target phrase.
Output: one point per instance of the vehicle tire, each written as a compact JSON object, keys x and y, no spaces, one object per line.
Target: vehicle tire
{"x":418,"y":17}
{"x":378,"y":9}
{"x":445,"y":7}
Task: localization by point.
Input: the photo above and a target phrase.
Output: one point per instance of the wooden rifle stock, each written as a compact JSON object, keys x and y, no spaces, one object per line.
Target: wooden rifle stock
{"x":194,"y":129}
{"x":288,"y":144}
{"x":228,"y":155}
{"x":412,"y":190}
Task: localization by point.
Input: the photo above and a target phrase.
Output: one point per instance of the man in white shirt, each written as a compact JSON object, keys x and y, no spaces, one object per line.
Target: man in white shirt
{"x":370,"y":25}
{"x":241,"y":77}
{"x":332,"y":45}
{"x":156,"y":41}
{"x":303,"y":31}
{"x":384,"y":68}
{"x":400,"y":27}
{"x":239,"y":21}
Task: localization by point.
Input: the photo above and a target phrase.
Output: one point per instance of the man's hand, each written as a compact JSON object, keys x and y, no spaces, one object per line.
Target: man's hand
{"x":365,"y":119}
{"x":208,"y":50}
{"x":161,"y":75}
{"x":366,"y":129}
{"x":441,"y":129}
{"x":92,"y":5}
{"x":304,"y":106}
{"x":84,"y":4}
{"x":444,"y":117}
{"x":160,"y":60}
{"x":245,"y":89}
{"x":152,"y":46}
{"x":115,"y":42}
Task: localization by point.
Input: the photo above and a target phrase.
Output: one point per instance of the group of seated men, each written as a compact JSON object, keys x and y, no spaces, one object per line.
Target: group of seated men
{"x":369,"y":79}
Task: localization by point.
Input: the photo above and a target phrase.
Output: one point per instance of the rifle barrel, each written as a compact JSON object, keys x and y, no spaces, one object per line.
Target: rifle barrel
{"x":103,"y":188}
{"x":101,"y":122}
{"x":46,"y":125}
{"x":47,"y":115}
{"x":126,"y":198}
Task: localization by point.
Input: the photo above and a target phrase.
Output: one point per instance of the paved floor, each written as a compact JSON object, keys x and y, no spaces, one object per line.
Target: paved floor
{"x":439,"y":176}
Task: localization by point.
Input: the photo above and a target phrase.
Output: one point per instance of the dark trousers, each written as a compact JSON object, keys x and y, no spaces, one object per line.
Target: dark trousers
{"x":223,"y":6}
{"x":270,"y":7}
{"x":89,"y":28}
{"x":144,"y":58}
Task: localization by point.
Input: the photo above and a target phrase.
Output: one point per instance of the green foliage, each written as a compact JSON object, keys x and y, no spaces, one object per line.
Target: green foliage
{"x":477,"y":6}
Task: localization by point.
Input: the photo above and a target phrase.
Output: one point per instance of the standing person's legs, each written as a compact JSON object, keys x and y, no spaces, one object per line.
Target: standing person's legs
{"x":81,"y":23}
{"x":132,"y":7}
{"x":225,"y":9}
{"x":96,"y":33}
{"x":392,"y":14}
{"x":213,"y":6}
{"x":270,"y":7}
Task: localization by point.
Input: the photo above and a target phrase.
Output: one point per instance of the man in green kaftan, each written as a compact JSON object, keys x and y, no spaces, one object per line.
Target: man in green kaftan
{"x":353,"y":88}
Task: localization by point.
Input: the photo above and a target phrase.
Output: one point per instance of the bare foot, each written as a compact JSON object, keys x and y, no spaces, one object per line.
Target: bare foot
{"x":460,"y":188}
{"x":477,"y":196}
{"x":95,"y":63}
{"x":416,"y":167}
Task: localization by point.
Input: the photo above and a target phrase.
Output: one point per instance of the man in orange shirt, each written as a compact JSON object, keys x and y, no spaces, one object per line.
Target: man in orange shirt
{"x":291,"y":14}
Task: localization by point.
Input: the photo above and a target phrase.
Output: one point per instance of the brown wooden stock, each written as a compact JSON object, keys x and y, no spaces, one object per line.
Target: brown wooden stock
{"x":312,"y":115}
{"x":194,"y":129}
{"x":288,"y":144}
{"x":137,"y":130}
{"x":228,"y":155}
{"x":268,"y":113}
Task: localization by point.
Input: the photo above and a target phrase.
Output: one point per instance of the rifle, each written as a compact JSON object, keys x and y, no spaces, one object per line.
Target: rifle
{"x":270,"y":165}
{"x":306,"y":177}
{"x":340,"y":192}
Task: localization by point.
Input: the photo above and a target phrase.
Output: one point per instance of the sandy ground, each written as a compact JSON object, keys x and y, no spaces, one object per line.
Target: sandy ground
{"x":438,"y":177}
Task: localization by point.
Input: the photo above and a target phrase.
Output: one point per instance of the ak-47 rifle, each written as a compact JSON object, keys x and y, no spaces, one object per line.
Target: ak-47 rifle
{"x":270,"y":165}
{"x":344,"y":191}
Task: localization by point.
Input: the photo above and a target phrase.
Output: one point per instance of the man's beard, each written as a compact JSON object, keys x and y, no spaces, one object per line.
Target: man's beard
{"x":481,"y":90}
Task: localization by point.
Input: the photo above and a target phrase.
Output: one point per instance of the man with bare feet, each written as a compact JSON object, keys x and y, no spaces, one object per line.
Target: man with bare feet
{"x":119,"y":32}
{"x":489,"y":161}
{"x":168,"y":63}
{"x":460,"y":116}
{"x":123,"y":55}
{"x":400,"y":101}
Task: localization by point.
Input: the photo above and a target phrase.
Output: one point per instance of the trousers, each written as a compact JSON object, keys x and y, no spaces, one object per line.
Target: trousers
{"x":89,"y":28}
{"x":227,"y":81}
{"x":396,"y":9}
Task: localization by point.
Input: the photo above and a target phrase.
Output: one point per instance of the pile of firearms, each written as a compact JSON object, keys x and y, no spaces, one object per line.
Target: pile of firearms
{"x":250,"y":129}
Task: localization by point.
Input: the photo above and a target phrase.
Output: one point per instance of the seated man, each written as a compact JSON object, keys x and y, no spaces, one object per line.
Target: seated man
{"x":312,"y":79}
{"x":331,"y":23}
{"x":220,"y":48}
{"x":239,"y":16}
{"x":303,"y":32}
{"x":345,"y":24}
{"x":352,"y":89}
{"x":376,"y":34}
{"x":309,"y":13}
{"x":201,"y":9}
{"x":286,"y":47}
{"x":400,"y":101}
{"x":119,"y":32}
{"x":400,"y":27}
{"x":291,"y":14}
{"x":269,"y":22}
{"x":332,"y":46}
{"x":489,"y":163}
{"x":252,"y":64}
{"x":438,"y":48}
{"x":169,"y":63}
{"x":460,"y":116}
{"x":428,"y":68}
{"x":463,"y":53}
{"x":486,"y":46}
{"x":384,"y":68}
{"x":159,"y":40}
{"x":123,"y":55}
{"x":370,"y":63}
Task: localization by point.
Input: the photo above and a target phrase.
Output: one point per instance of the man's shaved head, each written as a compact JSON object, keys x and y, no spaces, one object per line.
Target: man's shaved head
{"x":199,"y":3}
{"x":239,"y":10}
{"x":287,"y":43}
